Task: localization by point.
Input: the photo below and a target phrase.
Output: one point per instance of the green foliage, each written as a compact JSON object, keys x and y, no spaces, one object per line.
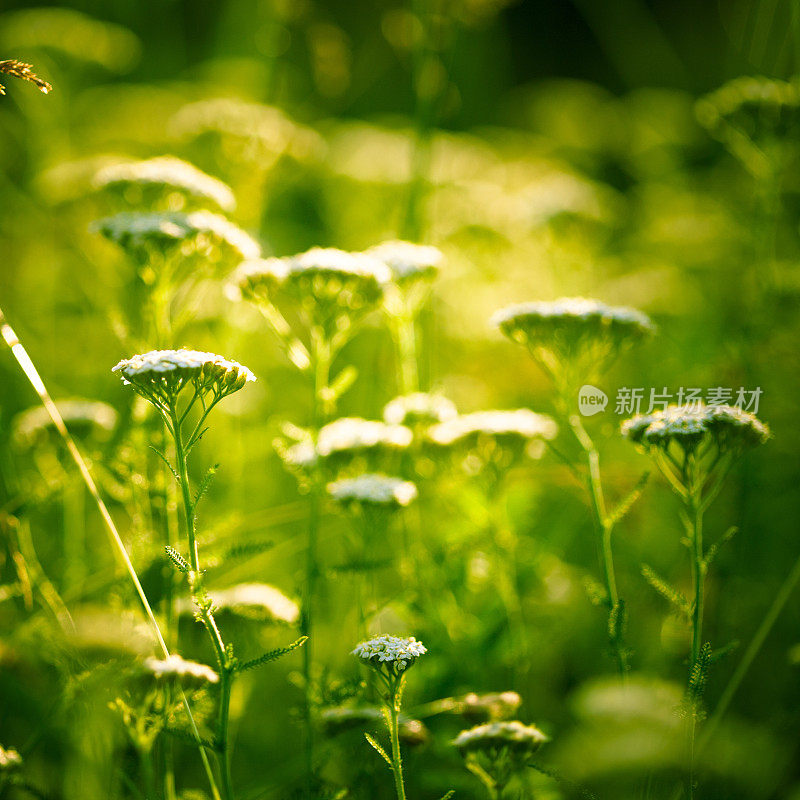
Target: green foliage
{"x":272,"y":655}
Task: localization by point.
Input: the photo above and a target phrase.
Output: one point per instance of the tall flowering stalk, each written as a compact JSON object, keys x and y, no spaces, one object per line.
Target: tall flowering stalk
{"x":175,"y":382}
{"x":315,"y":302}
{"x":695,"y":447}
{"x":391,"y":657}
{"x":575,"y":341}
{"x":413,"y":269}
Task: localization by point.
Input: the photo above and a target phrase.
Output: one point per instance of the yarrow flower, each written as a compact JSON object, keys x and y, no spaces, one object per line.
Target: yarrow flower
{"x":521,"y":423}
{"x":142,"y":235}
{"x":408,"y":261}
{"x":176,"y":667}
{"x":419,"y":408}
{"x":374,"y":490}
{"x":496,"y":706}
{"x":573,"y":337}
{"x":393,"y":653}
{"x":727,"y":428}
{"x":9,"y":759}
{"x":178,"y":180}
{"x":160,"y":375}
{"x":82,"y":417}
{"x":522,"y":740}
{"x":257,"y":600}
{"x":349,"y":434}
{"x":329,"y":288}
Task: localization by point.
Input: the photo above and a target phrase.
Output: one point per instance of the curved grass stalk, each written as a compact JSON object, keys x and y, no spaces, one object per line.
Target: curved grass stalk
{"x":32,"y":374}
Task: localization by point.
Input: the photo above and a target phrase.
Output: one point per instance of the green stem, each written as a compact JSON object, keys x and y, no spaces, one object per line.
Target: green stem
{"x":604,"y":529}
{"x":394,"y":733}
{"x":406,"y":343}
{"x":207,"y":618}
{"x":148,"y":775}
{"x":695,"y":513}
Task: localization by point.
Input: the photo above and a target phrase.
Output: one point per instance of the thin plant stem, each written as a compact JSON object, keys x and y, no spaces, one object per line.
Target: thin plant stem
{"x":604,"y":528}
{"x":206,"y":616}
{"x":394,"y":734}
{"x":695,"y":515}
{"x":405,"y":336}
{"x":26,"y":364}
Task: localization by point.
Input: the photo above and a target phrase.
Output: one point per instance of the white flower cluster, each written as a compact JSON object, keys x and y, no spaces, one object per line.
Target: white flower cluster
{"x":170,"y":174}
{"x":419,"y":407}
{"x":354,"y":433}
{"x":494,"y":736}
{"x":136,"y":231}
{"x":569,"y":308}
{"x":397,"y":652}
{"x":373,"y":489}
{"x":93,"y":415}
{"x":495,"y":706}
{"x":262,"y":598}
{"x":178,"y":361}
{"x":407,"y":260}
{"x":9,"y":759}
{"x":729,"y":427}
{"x":175,"y":666}
{"x":521,"y":422}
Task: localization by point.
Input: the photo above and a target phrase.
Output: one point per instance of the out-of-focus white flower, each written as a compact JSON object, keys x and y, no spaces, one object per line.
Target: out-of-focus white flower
{"x":141,"y":234}
{"x":373,"y":489}
{"x":166,"y":174}
{"x":9,"y":759}
{"x":408,"y":261}
{"x":176,"y":667}
{"x":350,"y":434}
{"x":159,"y":375}
{"x":258,"y":600}
{"x":520,"y":423}
{"x":398,"y":653}
{"x":496,"y":706}
{"x":497,"y":736}
{"x":419,"y":408}
{"x":84,"y":417}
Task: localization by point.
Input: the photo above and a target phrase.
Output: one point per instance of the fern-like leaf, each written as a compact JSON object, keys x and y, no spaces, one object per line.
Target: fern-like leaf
{"x":713,"y":551}
{"x":167,"y":462}
{"x":178,"y":561}
{"x":698,"y":678}
{"x":625,"y":505}
{"x":247,"y":549}
{"x":616,"y":622}
{"x":595,"y":592}
{"x":448,"y":795}
{"x":666,"y":590}
{"x":204,"y":484}
{"x":379,"y":750}
{"x":272,"y":655}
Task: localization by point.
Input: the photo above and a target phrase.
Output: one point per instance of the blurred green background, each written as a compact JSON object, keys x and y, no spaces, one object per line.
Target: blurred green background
{"x":558,"y":152}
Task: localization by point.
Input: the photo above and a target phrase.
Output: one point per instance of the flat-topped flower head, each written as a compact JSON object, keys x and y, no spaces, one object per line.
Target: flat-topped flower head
{"x":419,"y":409}
{"x":413,"y":269}
{"x":327,"y":288}
{"x":258,"y":601}
{"x":373,"y":489}
{"x":494,"y":737}
{"x":755,"y":118}
{"x":165,"y":181}
{"x":574,"y":339}
{"x":392,"y":655}
{"x":166,"y":234}
{"x":83,"y":418}
{"x":160,"y":375}
{"x":177,"y":668}
{"x":494,"y":707}
{"x":727,"y":429}
{"x":354,"y":434}
{"x":10,"y":759}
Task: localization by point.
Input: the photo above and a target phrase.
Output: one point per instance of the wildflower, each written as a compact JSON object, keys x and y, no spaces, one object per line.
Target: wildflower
{"x":391,"y":654}
{"x":496,"y":706}
{"x":204,"y":233}
{"x":19,"y":69}
{"x":257,"y":600}
{"x":727,"y":429}
{"x":82,"y":417}
{"x":495,"y":736}
{"x":9,"y":759}
{"x":419,"y":408}
{"x":373,"y":490}
{"x":519,"y":424}
{"x":176,"y":667}
{"x":165,"y":175}
{"x":160,"y":375}
{"x":349,"y":434}
{"x":331,"y":289}
{"x":573,"y":338}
